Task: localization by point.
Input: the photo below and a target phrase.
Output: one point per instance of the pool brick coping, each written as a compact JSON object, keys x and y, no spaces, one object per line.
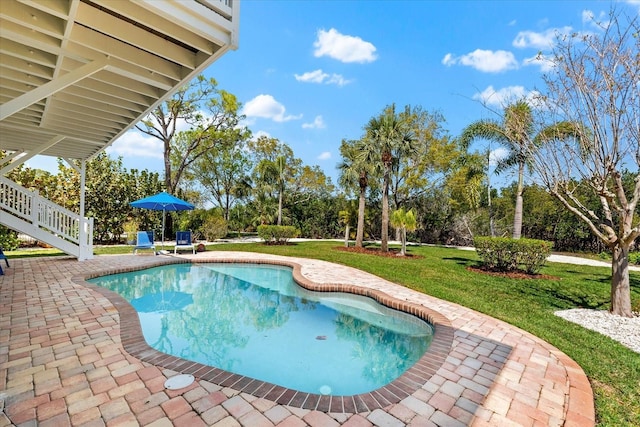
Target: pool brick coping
{"x":404,"y":386}
{"x":48,"y":368}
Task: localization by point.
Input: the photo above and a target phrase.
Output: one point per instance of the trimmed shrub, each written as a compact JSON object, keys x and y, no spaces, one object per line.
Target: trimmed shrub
{"x":505,"y":254}
{"x":277,"y":234}
{"x":8,"y":239}
{"x":214,"y":228}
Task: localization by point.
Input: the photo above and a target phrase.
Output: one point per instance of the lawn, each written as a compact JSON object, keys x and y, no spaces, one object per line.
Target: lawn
{"x":614,"y":370}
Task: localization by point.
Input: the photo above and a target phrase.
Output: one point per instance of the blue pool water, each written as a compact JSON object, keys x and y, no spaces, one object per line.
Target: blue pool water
{"x":254,"y":320}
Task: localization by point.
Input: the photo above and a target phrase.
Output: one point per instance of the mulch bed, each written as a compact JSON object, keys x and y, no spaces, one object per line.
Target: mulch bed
{"x":512,"y":274}
{"x":393,"y":252}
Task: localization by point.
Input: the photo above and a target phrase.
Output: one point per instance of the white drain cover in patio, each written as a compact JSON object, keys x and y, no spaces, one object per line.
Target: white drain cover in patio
{"x":179,"y":381}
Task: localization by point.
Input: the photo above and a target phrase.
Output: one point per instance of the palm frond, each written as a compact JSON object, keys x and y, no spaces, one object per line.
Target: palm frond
{"x":482,"y":129}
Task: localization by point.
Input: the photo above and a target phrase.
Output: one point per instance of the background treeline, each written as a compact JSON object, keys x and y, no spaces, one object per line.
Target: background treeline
{"x":310,"y":202}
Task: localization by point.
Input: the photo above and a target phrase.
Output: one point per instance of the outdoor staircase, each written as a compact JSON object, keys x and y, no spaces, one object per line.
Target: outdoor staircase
{"x":27,"y":212}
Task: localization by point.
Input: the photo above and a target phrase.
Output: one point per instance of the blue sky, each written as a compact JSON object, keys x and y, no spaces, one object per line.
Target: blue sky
{"x":311,"y":73}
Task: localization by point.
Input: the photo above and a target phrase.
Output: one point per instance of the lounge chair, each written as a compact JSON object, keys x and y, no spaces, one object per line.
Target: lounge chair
{"x":183,"y":241}
{"x":144,"y":241}
{"x":4,"y":257}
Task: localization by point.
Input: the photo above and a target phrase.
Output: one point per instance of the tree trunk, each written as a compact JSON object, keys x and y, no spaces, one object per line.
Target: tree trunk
{"x":403,"y":251}
{"x":492,"y":228}
{"x":346,"y":236}
{"x":360,"y":230}
{"x":620,"y":290}
{"x":167,"y":167}
{"x":384,"y":235}
{"x":280,"y":208}
{"x":227,"y":207}
{"x":517,"y":217}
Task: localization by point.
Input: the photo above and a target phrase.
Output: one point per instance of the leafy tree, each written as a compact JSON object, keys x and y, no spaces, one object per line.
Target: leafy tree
{"x":311,"y":203}
{"x":463,"y":185}
{"x":426,"y":161}
{"x":388,"y":137}
{"x":109,"y":190}
{"x":224,"y":173}
{"x":265,"y":148}
{"x":316,"y":217}
{"x":595,"y":82}
{"x":405,"y":221}
{"x":275,"y":170}
{"x":310,"y":182}
{"x":212,"y":117}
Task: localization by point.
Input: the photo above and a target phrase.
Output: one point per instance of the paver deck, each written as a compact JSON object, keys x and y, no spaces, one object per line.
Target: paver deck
{"x":69,"y":356}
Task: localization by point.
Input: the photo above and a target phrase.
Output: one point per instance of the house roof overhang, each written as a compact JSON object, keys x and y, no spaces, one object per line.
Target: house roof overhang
{"x":77,"y":74}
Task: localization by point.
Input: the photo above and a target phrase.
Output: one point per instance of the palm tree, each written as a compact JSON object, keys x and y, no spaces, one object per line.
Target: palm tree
{"x":274,"y":175}
{"x":387,"y":135}
{"x":354,"y":172}
{"x":405,"y":221}
{"x":516,"y":132}
{"x":345,"y":217}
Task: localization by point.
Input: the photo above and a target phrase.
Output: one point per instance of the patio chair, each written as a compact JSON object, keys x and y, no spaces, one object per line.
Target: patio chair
{"x":4,"y":257}
{"x":144,"y":241}
{"x":183,"y":241}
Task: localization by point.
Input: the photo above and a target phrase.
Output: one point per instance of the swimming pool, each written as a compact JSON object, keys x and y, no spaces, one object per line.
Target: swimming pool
{"x":258,"y":323}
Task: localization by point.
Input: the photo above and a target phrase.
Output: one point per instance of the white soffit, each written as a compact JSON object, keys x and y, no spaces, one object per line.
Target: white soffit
{"x":83,"y":72}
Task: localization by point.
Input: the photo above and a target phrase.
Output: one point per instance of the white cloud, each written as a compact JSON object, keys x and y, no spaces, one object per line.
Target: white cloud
{"x":448,"y":60}
{"x":266,"y":107}
{"x":602,"y":20}
{"x":587,"y":16}
{"x":338,"y":79}
{"x":318,"y":123}
{"x":541,"y":40}
{"x":256,"y":135}
{"x":496,"y":155}
{"x":540,"y":60}
{"x":137,"y":144}
{"x":343,"y":48}
{"x":318,"y":76}
{"x":325,"y":155}
{"x":635,"y":3}
{"x":487,"y":61}
{"x":504,"y":96}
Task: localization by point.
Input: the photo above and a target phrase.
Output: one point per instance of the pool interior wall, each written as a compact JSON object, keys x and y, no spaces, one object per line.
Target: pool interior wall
{"x":255,"y":320}
{"x":134,"y":343}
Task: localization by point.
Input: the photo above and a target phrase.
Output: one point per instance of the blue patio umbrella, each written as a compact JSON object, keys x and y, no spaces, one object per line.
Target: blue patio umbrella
{"x":162,"y":202}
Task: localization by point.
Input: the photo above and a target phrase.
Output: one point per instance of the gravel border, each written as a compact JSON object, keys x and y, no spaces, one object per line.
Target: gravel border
{"x":625,"y":330}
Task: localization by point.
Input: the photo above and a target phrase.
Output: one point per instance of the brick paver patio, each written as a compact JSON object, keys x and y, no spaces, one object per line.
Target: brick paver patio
{"x":71,"y":355}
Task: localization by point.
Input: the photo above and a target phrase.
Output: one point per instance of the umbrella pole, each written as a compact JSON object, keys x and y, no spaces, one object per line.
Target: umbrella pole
{"x":164,"y":212}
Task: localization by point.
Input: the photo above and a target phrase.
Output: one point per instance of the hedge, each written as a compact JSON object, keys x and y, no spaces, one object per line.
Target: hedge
{"x":277,"y":234}
{"x":505,"y":254}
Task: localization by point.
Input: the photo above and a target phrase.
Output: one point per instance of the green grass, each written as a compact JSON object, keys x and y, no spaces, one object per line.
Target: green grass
{"x":614,"y":370}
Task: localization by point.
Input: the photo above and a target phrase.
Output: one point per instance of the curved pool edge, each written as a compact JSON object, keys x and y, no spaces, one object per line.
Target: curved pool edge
{"x":404,"y":386}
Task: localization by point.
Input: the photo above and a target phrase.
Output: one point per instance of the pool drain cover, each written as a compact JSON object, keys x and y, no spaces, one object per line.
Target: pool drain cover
{"x":179,"y":381}
{"x":325,"y":389}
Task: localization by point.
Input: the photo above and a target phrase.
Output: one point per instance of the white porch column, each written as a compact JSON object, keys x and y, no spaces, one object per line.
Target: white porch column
{"x":86,"y":225}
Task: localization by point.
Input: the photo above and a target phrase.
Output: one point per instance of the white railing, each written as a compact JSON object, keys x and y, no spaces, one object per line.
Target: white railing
{"x":41,"y":213}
